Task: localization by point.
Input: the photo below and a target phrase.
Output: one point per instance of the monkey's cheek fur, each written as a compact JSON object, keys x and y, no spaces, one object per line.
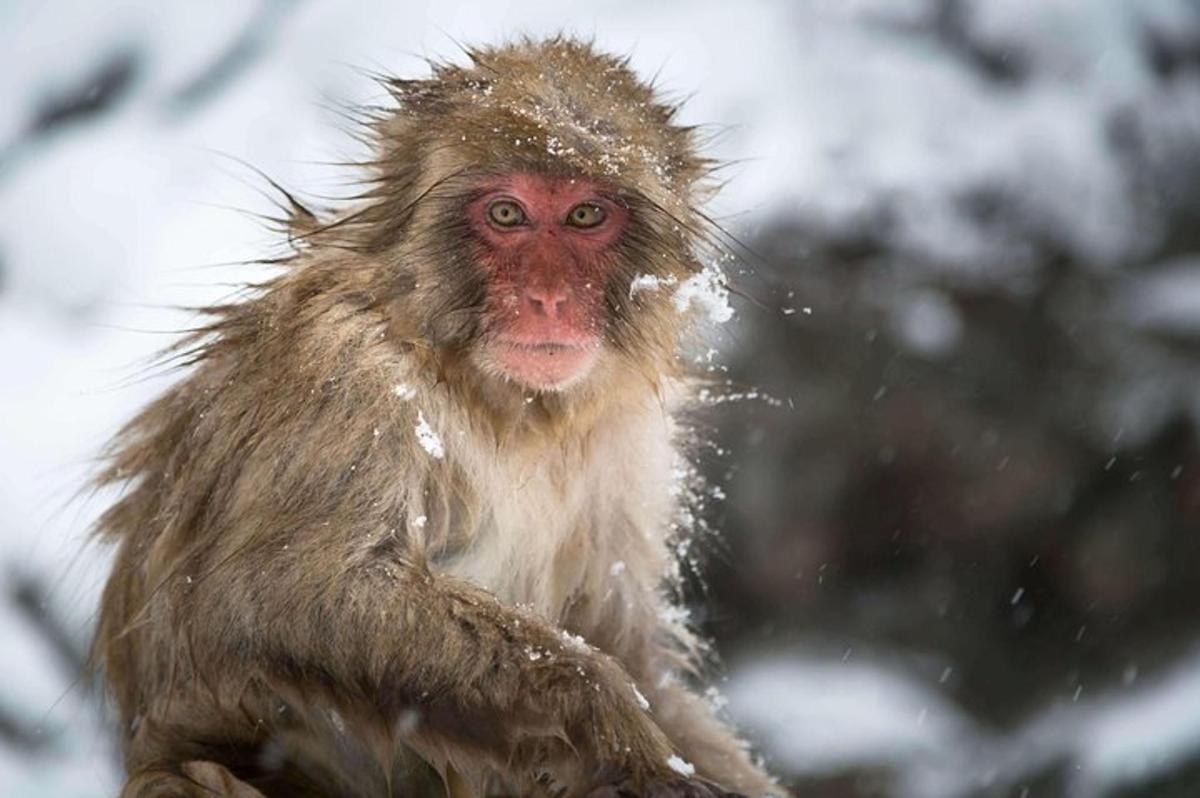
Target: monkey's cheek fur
{"x":544,"y":366}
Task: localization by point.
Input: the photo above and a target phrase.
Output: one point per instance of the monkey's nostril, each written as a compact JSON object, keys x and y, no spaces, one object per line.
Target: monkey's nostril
{"x":552,"y":304}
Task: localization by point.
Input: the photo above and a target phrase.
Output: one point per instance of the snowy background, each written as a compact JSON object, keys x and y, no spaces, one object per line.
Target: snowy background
{"x":960,"y":549}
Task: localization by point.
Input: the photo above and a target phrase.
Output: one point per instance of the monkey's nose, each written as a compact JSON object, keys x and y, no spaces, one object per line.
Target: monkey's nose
{"x":548,"y":302}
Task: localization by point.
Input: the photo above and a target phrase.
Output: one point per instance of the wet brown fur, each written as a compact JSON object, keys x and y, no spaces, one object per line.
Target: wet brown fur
{"x":296,"y":606}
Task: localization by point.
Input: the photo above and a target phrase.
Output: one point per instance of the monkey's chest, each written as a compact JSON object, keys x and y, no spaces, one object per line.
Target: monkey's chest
{"x":582,"y":524}
{"x":530,"y":544}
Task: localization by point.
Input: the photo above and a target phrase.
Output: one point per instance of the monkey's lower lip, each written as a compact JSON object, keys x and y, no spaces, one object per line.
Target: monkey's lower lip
{"x":544,"y":365}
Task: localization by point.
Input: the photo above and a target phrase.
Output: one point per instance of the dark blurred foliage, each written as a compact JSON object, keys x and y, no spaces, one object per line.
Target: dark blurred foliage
{"x":998,"y":479}
{"x":93,"y":96}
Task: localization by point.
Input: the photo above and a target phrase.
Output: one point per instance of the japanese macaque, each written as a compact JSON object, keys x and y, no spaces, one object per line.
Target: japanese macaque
{"x":407,"y":526}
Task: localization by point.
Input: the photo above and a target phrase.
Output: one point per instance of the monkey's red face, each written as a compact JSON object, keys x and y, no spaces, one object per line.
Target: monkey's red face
{"x":546,"y":245}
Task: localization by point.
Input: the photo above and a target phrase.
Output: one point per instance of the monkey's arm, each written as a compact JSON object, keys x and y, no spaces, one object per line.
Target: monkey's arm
{"x":485,"y":680}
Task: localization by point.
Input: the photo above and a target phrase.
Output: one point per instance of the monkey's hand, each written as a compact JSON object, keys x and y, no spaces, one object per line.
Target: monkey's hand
{"x":620,"y":748}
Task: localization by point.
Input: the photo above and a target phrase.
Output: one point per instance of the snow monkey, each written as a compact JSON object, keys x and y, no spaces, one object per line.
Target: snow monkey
{"x":405,"y":527}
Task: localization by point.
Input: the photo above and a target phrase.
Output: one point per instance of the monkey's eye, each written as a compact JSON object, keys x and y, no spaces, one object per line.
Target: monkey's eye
{"x":506,"y":213}
{"x":585,"y":215}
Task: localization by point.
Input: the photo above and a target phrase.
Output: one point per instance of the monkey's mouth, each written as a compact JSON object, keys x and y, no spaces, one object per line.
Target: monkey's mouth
{"x":544,"y":365}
